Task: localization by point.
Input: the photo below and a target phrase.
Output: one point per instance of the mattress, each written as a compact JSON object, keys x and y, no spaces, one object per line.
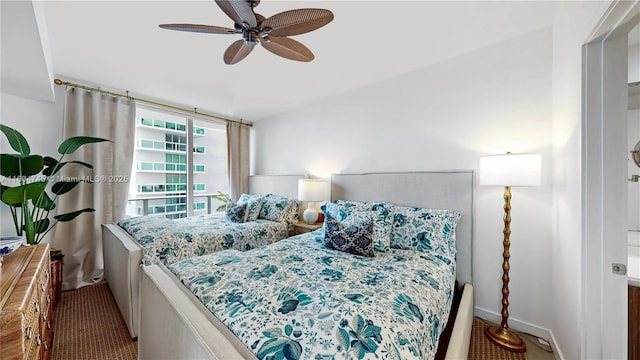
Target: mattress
{"x":158,"y":240}
{"x":167,"y":241}
{"x":298,"y":299}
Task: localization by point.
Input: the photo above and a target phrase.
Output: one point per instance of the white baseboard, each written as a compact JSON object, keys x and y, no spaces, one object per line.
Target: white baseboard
{"x":521,"y":326}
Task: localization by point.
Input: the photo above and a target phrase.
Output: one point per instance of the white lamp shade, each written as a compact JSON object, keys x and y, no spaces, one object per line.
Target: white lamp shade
{"x":510,"y":170}
{"x":311,"y":189}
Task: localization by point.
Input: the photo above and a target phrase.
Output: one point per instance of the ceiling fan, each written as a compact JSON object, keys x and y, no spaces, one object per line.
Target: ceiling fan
{"x":271,"y":32}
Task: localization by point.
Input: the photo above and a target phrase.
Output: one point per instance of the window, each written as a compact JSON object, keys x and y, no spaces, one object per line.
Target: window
{"x":160,"y":181}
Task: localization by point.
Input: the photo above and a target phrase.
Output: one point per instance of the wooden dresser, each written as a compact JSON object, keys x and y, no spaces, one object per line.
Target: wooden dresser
{"x":26,"y":312}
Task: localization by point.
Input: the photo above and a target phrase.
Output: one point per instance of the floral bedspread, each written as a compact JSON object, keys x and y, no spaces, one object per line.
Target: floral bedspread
{"x":297,"y":299}
{"x":167,"y":241}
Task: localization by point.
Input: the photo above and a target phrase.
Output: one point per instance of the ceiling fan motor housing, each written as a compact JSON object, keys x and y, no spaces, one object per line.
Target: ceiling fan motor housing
{"x":251,"y":37}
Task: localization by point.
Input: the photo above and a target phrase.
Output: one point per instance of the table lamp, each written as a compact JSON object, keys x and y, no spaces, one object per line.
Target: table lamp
{"x":310,"y":190}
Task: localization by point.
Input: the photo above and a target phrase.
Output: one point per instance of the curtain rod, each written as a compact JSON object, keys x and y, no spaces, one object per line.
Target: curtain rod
{"x":195,"y":112}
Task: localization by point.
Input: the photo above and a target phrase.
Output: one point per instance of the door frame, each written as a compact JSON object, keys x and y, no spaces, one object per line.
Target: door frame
{"x":604,"y":177}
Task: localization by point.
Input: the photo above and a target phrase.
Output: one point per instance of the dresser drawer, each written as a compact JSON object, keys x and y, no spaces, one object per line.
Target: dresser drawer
{"x":25,"y":304}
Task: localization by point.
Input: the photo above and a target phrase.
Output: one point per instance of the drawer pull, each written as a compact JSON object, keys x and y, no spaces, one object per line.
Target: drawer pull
{"x":37,"y":306}
{"x":28,"y":332}
{"x":46,"y":346}
{"x":44,"y":316}
{"x":38,"y":340}
{"x":48,"y":299}
{"x":43,"y":287}
{"x":48,"y":324}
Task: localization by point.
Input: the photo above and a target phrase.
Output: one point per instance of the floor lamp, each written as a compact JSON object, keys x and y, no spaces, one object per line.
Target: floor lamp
{"x":508,"y":170}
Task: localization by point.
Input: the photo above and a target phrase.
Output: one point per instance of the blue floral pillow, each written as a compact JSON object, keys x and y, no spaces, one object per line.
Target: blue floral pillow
{"x":254,"y":205}
{"x":382,"y":222}
{"x":353,"y":235}
{"x":236,"y":212}
{"x":280,"y":209}
{"x":424,"y":230}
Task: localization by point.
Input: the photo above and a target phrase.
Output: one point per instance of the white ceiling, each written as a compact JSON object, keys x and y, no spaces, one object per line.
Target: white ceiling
{"x":117,"y":45}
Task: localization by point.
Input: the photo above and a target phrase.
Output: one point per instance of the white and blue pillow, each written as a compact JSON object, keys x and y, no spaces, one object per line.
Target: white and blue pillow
{"x":353,"y":234}
{"x":424,"y":230}
{"x":254,"y":205}
{"x":236,"y":212}
{"x":382,"y":218}
{"x":280,"y":209}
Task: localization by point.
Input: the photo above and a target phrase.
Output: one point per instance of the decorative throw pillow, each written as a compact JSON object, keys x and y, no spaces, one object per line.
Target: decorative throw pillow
{"x":353,"y":235}
{"x":280,"y":209}
{"x":383,"y":220}
{"x":236,"y":212}
{"x":254,"y":205}
{"x":424,"y":230}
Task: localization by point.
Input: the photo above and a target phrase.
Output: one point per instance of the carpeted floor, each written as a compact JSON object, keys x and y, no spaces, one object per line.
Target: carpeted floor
{"x":88,"y":326}
{"x":481,"y":348}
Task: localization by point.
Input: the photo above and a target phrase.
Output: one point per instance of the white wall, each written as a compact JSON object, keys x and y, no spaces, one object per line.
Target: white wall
{"x":574,"y":22}
{"x":41,"y":124}
{"x":445,"y":116}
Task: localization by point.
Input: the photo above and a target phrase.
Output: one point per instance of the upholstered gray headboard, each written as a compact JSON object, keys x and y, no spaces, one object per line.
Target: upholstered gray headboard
{"x":453,"y":190}
{"x":283,"y":185}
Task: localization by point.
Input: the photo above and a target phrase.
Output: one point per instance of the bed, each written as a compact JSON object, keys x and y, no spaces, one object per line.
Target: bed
{"x":187,"y":328}
{"x":124,"y":256}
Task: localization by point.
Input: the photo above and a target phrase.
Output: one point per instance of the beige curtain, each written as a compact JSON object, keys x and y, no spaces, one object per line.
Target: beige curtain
{"x":238,"y":159}
{"x":93,"y":114}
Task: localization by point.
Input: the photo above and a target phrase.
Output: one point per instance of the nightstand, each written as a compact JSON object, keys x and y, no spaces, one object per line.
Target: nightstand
{"x":301,"y":228}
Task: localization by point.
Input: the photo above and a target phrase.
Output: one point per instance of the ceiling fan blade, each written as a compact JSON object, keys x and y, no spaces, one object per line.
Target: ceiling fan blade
{"x":299,"y":21}
{"x":287,"y":48}
{"x":239,"y":11}
{"x":209,"y":29}
{"x":236,"y":52}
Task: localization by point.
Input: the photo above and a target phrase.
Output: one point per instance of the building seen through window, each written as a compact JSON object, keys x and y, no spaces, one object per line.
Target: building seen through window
{"x":161,"y":173}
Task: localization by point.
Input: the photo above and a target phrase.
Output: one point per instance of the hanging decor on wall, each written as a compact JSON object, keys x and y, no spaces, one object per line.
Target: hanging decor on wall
{"x":635,"y":154}
{"x":271,"y":32}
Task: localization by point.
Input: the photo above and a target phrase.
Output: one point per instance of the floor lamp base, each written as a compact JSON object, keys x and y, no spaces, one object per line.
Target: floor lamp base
{"x":505,"y":338}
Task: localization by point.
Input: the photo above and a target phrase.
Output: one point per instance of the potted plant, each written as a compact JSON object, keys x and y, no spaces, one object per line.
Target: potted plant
{"x":32,"y":199}
{"x":223,"y":198}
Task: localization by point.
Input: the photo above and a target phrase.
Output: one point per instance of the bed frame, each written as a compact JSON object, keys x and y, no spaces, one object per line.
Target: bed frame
{"x":187,"y":330}
{"x":123,"y":255}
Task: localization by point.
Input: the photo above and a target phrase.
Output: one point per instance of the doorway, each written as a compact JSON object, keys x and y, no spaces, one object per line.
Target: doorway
{"x":604,"y":178}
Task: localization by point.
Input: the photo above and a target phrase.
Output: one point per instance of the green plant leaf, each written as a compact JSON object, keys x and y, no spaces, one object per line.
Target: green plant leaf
{"x":49,"y":164}
{"x":72,"y":215}
{"x":20,"y":193}
{"x":41,"y":225}
{"x":53,"y":168}
{"x":13,"y":165}
{"x":63,"y":187}
{"x":2,"y":190}
{"x":10,"y":165}
{"x":72,"y":144}
{"x":32,"y":165}
{"x":45,"y":202}
{"x":16,"y":140}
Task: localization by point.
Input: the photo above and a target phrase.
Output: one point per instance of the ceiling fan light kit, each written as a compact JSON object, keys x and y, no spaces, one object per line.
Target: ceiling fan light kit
{"x":271,"y":32}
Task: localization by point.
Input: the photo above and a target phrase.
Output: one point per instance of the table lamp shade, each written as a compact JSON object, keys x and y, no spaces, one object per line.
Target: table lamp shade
{"x":311,"y":189}
{"x":510,"y":170}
